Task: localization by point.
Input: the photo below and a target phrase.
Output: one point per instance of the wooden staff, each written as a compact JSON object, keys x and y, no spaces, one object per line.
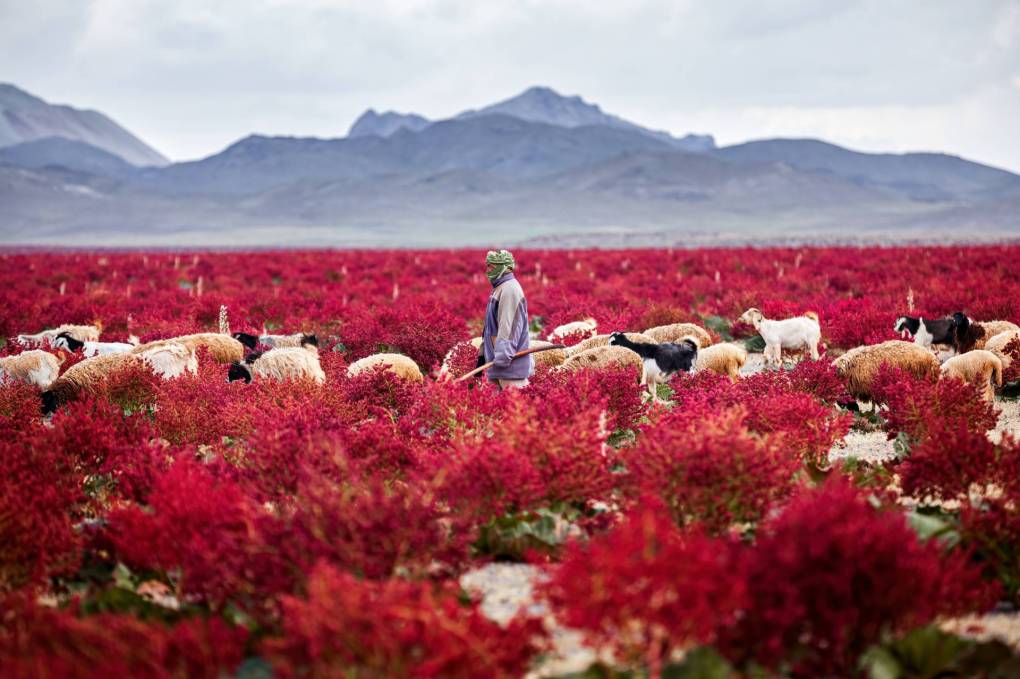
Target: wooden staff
{"x":525,"y":352}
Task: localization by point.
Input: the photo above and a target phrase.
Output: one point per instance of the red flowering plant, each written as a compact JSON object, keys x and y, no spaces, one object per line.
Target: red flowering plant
{"x":347,"y":626}
{"x":713,"y":471}
{"x":37,"y":641}
{"x":832,"y":575}
{"x":646,"y":589}
{"x":917,"y":405}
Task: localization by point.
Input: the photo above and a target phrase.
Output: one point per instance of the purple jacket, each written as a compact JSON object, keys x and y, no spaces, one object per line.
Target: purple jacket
{"x":506,"y":331}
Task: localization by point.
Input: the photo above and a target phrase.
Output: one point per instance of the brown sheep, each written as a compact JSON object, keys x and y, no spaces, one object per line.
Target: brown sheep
{"x":725,"y":359}
{"x":677,"y":331}
{"x":860,"y":365}
{"x":603,"y":357}
{"x":603,"y":341}
{"x":223,"y":348}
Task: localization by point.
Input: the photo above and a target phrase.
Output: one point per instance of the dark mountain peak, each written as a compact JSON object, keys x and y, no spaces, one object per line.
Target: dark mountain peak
{"x":370,"y":123}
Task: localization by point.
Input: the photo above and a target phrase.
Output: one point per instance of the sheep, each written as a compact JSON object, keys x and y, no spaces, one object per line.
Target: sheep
{"x":860,"y":365}
{"x":170,"y":359}
{"x":603,"y":357}
{"x":65,"y":341}
{"x":725,"y":359}
{"x":677,"y":331}
{"x":222,"y":348}
{"x":800,"y":332}
{"x":927,"y":332}
{"x":398,"y":364}
{"x":447,"y":366}
{"x":35,"y":367}
{"x":997,"y":345}
{"x":286,"y":363}
{"x":277,"y":341}
{"x":586,"y":328}
{"x":661,"y":361}
{"x":166,"y":360}
{"x":82,"y":333}
{"x":551,"y":358}
{"x":973,"y":335}
{"x":978,"y":367}
{"x":603,"y":341}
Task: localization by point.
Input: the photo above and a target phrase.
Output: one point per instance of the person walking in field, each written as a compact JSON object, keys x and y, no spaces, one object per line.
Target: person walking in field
{"x":506,"y":324}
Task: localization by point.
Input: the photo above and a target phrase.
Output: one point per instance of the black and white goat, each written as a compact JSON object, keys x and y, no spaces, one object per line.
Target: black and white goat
{"x":66,"y":341}
{"x":662,"y":361}
{"x":927,"y":332}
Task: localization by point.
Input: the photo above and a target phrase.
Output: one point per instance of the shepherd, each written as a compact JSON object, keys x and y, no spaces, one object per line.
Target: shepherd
{"x":506,"y":324}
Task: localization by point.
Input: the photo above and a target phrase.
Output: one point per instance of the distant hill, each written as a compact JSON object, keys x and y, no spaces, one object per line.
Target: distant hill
{"x":371,"y":124}
{"x":920,"y":176}
{"x":539,"y":168}
{"x":546,"y":105}
{"x":24,"y":117}
{"x":57,"y":152}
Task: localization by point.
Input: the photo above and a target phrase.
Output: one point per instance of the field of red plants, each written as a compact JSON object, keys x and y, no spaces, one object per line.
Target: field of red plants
{"x":194,"y":527}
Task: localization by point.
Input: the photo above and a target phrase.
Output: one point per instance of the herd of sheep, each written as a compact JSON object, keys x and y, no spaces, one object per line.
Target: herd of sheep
{"x":656,"y":354}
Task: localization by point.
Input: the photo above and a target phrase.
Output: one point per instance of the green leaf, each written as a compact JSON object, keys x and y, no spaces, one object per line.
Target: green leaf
{"x":928,"y":526}
{"x":755,"y":345}
{"x":719,"y":325}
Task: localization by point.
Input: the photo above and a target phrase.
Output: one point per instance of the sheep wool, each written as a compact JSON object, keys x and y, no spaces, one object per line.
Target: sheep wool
{"x":725,"y":359}
{"x":287,"y":363}
{"x":398,"y":364}
{"x":860,"y":365}
{"x":36,"y":367}
{"x":82,"y":333}
{"x":86,"y":377}
{"x":997,"y":345}
{"x":587,"y":327}
{"x":223,"y":348}
{"x":604,"y":357}
{"x":447,"y":366}
{"x":981,"y":368}
{"x":603,"y":341}
{"x":550,"y":358}
{"x":170,"y":360}
{"x":675,"y":332}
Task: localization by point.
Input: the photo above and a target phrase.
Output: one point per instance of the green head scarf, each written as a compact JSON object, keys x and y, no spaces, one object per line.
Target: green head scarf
{"x":503,"y":261}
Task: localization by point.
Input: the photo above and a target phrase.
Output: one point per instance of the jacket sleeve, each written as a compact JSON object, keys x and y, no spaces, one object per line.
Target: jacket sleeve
{"x":510,"y":321}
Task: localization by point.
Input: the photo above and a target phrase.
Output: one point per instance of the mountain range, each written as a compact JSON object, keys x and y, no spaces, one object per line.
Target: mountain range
{"x":539,"y":168}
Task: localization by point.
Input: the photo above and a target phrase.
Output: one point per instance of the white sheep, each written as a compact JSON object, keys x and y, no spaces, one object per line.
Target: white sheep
{"x":35,"y":367}
{"x":398,"y":364}
{"x":287,"y":363}
{"x":171,"y":359}
{"x":82,"y":333}
{"x":997,"y":345}
{"x":585,"y":329}
{"x":800,"y":332}
{"x":979,"y":367}
{"x":447,"y":366}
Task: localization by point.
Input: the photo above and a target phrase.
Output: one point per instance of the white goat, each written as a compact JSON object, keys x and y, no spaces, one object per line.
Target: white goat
{"x":801,"y":332}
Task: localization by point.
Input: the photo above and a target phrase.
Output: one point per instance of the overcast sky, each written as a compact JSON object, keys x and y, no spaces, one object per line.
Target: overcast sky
{"x":192,"y":76}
